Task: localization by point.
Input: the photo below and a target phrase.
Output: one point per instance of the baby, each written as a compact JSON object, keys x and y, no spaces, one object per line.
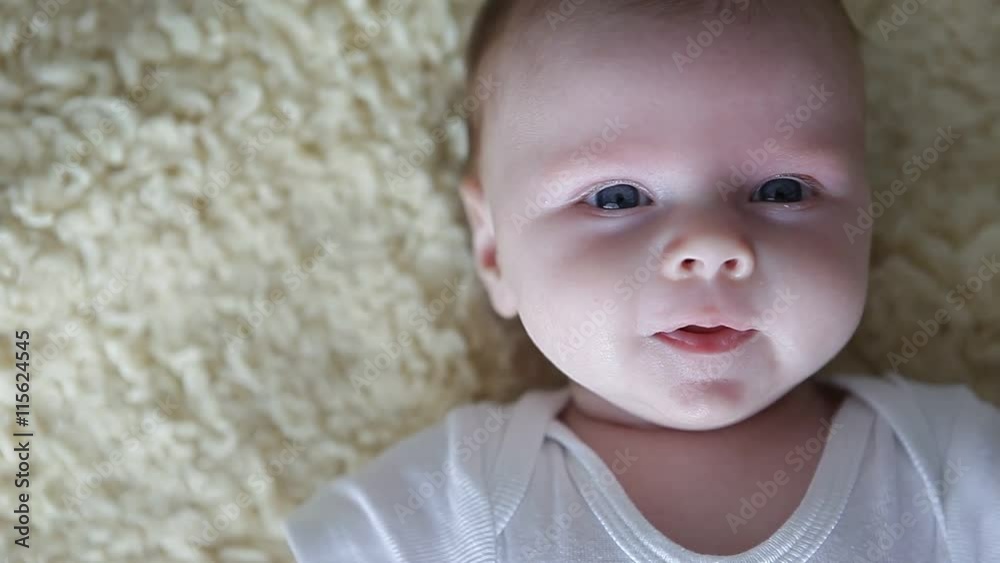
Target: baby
{"x":662,"y":193}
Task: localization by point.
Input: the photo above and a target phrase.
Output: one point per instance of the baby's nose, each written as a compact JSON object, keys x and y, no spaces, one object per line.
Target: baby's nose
{"x":707,"y":256}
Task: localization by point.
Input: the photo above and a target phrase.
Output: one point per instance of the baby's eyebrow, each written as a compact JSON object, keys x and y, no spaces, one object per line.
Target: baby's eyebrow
{"x":825,"y":157}
{"x":638,"y":161}
{"x":670,"y":8}
{"x":577,"y":165}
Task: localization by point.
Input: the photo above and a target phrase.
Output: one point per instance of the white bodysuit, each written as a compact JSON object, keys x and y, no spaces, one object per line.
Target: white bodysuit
{"x":910,"y":472}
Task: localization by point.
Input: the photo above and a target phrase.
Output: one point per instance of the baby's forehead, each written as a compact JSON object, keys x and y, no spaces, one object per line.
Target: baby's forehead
{"x":556,"y":12}
{"x":565,"y":83}
{"x":562,"y":29}
{"x":537,"y":21}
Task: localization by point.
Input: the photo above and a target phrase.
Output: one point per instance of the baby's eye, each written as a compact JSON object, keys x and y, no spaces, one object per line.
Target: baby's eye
{"x":780,"y":190}
{"x":618,"y":196}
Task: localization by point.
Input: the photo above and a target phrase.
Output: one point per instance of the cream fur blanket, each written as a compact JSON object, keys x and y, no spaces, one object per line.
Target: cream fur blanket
{"x":211,"y":218}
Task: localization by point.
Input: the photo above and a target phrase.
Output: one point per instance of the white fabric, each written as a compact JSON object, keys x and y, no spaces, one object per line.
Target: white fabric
{"x":910,"y":474}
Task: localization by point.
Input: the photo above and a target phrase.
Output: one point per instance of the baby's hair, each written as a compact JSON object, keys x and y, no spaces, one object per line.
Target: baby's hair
{"x":488,"y":28}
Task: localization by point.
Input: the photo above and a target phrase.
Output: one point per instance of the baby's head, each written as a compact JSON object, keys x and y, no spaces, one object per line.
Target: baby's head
{"x":645,"y":166}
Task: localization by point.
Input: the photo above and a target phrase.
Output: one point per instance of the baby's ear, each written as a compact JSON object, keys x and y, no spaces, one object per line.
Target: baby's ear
{"x":484,"y":247}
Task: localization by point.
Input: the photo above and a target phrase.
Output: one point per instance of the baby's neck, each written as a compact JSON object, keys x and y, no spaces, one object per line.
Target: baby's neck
{"x":805,"y":406}
{"x":707,"y":472}
{"x":685,"y":482}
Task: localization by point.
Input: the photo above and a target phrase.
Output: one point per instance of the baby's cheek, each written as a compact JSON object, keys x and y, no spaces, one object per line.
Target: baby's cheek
{"x":824,"y":317}
{"x":570,"y":324}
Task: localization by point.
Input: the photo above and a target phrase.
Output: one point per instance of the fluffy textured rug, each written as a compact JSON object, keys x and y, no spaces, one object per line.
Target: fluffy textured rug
{"x":232,"y":231}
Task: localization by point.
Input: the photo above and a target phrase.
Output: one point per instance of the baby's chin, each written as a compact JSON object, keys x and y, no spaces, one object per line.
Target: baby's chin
{"x":708,"y":404}
{"x":711,"y":404}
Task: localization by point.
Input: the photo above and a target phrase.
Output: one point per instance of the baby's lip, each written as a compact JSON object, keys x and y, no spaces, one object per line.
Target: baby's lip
{"x":706,"y":324}
{"x":711,"y":341}
{"x":704,"y":330}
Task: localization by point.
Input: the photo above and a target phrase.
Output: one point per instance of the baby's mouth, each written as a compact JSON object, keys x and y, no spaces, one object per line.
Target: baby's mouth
{"x":706,"y":339}
{"x":703,"y":330}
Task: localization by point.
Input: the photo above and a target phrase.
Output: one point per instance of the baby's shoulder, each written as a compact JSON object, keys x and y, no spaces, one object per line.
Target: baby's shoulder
{"x":428,"y":495}
{"x":464,"y":441}
{"x":964,"y":427}
{"x":953,"y":438}
{"x":466,"y":445}
{"x":946,"y":415}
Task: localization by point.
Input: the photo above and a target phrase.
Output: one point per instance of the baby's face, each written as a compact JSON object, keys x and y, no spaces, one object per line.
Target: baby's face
{"x":637,"y":185}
